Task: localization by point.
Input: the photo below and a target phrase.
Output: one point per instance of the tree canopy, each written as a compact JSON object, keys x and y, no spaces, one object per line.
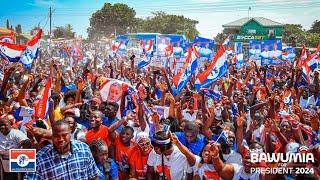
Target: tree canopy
{"x":63,"y":32}
{"x":120,"y":18}
{"x":164,"y":23}
{"x":294,"y":33}
{"x":111,"y":18}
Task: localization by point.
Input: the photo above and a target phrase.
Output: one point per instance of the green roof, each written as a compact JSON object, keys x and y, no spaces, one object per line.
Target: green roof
{"x":261,"y":20}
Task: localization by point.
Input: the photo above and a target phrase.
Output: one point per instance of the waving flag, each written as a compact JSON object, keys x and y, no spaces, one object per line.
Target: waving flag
{"x":147,"y":54}
{"x":216,"y":95}
{"x":302,"y":57}
{"x":310,"y":64}
{"x":42,"y":105}
{"x":287,"y":98}
{"x":11,"y":52}
{"x":32,"y":50}
{"x":189,"y":68}
{"x":115,"y":46}
{"x":226,"y":41}
{"x":216,"y":70}
{"x":145,"y":61}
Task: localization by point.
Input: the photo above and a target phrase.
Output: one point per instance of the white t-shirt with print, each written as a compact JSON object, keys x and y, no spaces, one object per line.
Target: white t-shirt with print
{"x":240,"y":174}
{"x":10,"y":141}
{"x":176,"y":164}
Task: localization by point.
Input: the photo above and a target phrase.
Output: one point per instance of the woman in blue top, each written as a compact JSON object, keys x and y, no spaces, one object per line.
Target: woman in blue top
{"x":107,"y":166}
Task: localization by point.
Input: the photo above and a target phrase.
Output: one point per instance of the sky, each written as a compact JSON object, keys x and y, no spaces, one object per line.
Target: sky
{"x":211,"y":14}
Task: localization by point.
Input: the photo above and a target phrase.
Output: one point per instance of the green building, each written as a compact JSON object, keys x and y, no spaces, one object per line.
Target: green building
{"x":254,"y":28}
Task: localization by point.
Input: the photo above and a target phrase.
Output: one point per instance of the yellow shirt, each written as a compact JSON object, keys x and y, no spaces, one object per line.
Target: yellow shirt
{"x":57,"y":114}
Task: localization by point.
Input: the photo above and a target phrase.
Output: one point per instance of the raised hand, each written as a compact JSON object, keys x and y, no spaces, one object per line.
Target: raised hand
{"x":81,"y":84}
{"x":214,"y":150}
{"x":240,"y":120}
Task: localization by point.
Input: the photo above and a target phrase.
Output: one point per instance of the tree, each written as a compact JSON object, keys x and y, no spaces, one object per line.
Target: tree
{"x":63,"y":32}
{"x":34,"y":30}
{"x":164,"y":23}
{"x":7,"y":24}
{"x":293,"y":32}
{"x":111,"y":18}
{"x":18,"y":29}
{"x":58,"y":32}
{"x":220,"y":38}
{"x":315,"y":28}
{"x":69,"y":31}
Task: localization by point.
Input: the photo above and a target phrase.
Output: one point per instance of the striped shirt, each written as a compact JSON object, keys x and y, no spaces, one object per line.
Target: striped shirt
{"x":78,"y":164}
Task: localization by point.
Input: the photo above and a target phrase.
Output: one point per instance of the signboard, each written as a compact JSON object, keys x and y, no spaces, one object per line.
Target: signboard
{"x":266,"y":52}
{"x":252,"y":37}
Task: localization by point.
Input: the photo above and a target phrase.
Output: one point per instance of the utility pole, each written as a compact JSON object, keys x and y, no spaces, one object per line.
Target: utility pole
{"x":50,"y":19}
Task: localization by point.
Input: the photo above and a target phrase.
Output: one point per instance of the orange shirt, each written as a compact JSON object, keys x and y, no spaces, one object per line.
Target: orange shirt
{"x":122,"y":157}
{"x":138,"y":162}
{"x":102,"y":133}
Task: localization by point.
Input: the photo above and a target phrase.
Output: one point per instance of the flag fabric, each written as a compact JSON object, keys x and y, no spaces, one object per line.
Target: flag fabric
{"x":42,"y":105}
{"x":8,"y":38}
{"x":223,"y":135}
{"x":11,"y":52}
{"x":182,"y":78}
{"x":32,"y":51}
{"x":115,"y":47}
{"x":287,"y":98}
{"x":310,"y":64}
{"x":147,"y":54}
{"x":21,"y":112}
{"x":217,"y":69}
{"x":302,"y":57}
{"x":226,"y":41}
{"x":145,"y":60}
{"x":216,"y":95}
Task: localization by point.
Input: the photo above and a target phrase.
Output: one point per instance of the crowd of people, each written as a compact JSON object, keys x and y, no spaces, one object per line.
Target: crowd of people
{"x":267,"y":109}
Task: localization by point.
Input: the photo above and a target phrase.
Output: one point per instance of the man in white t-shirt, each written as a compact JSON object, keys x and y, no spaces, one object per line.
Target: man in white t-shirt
{"x":306,"y":100}
{"x":10,"y":139}
{"x":166,"y":158}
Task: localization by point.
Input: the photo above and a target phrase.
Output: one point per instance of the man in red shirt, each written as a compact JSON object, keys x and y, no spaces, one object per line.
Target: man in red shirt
{"x":99,"y":131}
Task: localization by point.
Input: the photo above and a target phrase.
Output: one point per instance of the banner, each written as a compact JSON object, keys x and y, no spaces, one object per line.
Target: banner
{"x":205,"y":47}
{"x":254,"y":50}
{"x":271,"y":52}
{"x":163,"y":43}
{"x":238,"y":47}
{"x":289,"y":54}
{"x":266,"y":52}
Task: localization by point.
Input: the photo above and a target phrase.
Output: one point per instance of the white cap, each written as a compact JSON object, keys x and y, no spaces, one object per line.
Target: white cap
{"x":142,"y":135}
